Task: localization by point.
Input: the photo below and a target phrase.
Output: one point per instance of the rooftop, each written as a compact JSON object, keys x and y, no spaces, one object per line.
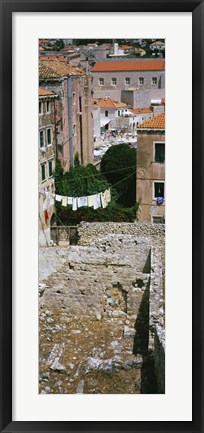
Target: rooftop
{"x":157,"y":122}
{"x":45,"y":92}
{"x":142,"y":110}
{"x":57,"y":69}
{"x":149,"y":65}
{"x":109,"y":103}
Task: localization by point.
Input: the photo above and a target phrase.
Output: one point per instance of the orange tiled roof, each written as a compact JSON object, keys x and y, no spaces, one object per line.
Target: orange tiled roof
{"x":157,"y":122}
{"x":53,"y":57}
{"x":149,"y":65}
{"x":45,"y":92}
{"x":142,"y":110}
{"x":57,"y":69}
{"x":109,"y":103}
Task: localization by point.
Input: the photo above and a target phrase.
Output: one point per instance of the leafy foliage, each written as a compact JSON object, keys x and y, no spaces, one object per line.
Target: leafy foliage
{"x":82,"y":181}
{"x":119,"y":167}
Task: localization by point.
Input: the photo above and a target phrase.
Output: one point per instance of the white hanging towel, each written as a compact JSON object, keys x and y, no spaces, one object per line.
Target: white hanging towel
{"x":45,"y":204}
{"x":82,"y":201}
{"x":58,"y":197}
{"x":69,"y":200}
{"x":90,"y":200}
{"x":107,"y":195}
{"x":97,"y":201}
{"x":74,"y":203}
{"x":103,"y":200}
{"x":64,"y":201}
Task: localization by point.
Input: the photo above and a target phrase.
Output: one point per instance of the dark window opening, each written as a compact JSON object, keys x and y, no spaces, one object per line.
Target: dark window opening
{"x":50,"y":168}
{"x":159,"y":152}
{"x":49,"y":136}
{"x":43,"y":171}
{"x":41,"y":139}
{"x":159,"y":189}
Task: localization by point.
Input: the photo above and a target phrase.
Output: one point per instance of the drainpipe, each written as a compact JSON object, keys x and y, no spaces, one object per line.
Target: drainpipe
{"x":69,"y":95}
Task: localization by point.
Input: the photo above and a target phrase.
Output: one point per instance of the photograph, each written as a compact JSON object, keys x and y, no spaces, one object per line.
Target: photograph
{"x":101,"y":212}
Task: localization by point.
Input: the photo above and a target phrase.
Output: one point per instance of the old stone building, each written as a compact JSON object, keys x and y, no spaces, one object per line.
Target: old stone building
{"x":46,"y":158}
{"x":139,"y":98}
{"x":151,"y":170}
{"x":122,"y":75}
{"x":74,"y":110}
{"x":107,"y":114}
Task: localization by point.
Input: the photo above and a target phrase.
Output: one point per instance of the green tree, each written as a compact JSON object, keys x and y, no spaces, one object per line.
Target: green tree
{"x":83,"y":181}
{"x":119,"y":167}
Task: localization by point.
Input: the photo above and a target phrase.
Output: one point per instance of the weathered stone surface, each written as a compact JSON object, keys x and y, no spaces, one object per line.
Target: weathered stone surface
{"x":105,"y":279}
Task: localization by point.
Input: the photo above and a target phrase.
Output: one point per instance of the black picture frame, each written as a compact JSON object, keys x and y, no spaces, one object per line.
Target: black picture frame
{"x":7,"y":8}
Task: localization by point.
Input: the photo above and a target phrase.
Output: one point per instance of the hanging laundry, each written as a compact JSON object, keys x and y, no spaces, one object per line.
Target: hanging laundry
{"x":90,"y":200}
{"x":46,"y":215}
{"x":52,"y":202}
{"x":82,"y":201}
{"x":103,"y":200}
{"x":74,"y":203}
{"x":45,"y":204}
{"x":64,"y":201}
{"x":69,"y":200}
{"x":97,"y":201}
{"x":58,"y":197}
{"x":107,"y":195}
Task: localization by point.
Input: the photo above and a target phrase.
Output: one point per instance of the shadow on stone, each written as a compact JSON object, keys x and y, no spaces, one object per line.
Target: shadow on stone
{"x":140,"y":346}
{"x":147,"y":266}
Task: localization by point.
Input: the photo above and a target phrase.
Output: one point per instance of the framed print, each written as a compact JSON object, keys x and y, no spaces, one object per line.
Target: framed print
{"x":101,"y":162}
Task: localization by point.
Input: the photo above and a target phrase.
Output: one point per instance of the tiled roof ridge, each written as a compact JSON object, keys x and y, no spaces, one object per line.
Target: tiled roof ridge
{"x":59,"y":68}
{"x":132,"y":65}
{"x":157,"y":122}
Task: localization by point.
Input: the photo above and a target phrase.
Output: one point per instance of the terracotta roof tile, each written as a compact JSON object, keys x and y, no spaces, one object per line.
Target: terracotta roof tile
{"x":59,"y":57}
{"x":109,"y":103}
{"x":45,"y":92}
{"x":56,"y":69}
{"x":149,"y":65}
{"x":142,"y":110}
{"x":157,"y":122}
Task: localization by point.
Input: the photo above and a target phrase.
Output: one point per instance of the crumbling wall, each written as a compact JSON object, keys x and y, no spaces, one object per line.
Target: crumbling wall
{"x":91,"y":232}
{"x":107,"y":278}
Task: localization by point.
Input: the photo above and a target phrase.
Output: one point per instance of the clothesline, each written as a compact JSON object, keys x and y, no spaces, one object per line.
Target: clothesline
{"x":97,"y":200}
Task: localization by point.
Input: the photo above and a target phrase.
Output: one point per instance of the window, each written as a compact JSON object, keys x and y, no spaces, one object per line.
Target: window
{"x":101,"y":81}
{"x":106,"y":113}
{"x":49,"y":137}
{"x":43,"y":175}
{"x":40,"y":107}
{"x":159,"y":152}
{"x":113,"y":81}
{"x":154,"y":80}
{"x":158,"y":189}
{"x":127,"y":81}
{"x":141,"y":81}
{"x":74,"y":129}
{"x":42,"y":139}
{"x":50,"y":167}
{"x":158,"y":220}
{"x":48,"y":106}
{"x":73,"y":98}
{"x":118,"y":113}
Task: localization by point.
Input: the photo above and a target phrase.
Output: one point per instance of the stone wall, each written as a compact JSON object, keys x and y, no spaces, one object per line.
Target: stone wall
{"x":89,"y":233}
{"x":108,"y":278}
{"x":110,"y":274}
{"x":159,"y":358}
